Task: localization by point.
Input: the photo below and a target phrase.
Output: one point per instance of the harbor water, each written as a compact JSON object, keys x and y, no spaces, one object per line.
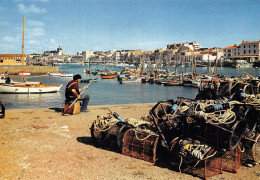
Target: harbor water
{"x":108,"y":92}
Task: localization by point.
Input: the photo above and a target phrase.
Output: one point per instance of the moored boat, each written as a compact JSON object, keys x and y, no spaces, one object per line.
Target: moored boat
{"x":54,"y":74}
{"x":108,"y":76}
{"x":23,"y":88}
{"x":25,"y":73}
{"x":172,"y":83}
{"x":66,"y":75}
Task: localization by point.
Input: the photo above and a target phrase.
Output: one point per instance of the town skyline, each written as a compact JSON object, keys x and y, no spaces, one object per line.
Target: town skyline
{"x":125,"y":24}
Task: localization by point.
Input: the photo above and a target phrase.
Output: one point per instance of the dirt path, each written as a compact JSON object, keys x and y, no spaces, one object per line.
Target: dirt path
{"x":43,"y":144}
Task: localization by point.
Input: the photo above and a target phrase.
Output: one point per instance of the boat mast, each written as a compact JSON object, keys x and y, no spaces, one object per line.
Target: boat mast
{"x":23,"y":47}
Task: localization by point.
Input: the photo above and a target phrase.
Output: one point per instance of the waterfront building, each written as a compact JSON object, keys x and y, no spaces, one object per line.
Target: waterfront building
{"x":247,"y":50}
{"x":11,"y":59}
{"x":87,"y":54}
{"x":194,"y":46}
{"x":250,"y":50}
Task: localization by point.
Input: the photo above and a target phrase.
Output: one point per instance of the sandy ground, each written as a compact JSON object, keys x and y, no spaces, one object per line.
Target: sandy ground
{"x":43,"y":144}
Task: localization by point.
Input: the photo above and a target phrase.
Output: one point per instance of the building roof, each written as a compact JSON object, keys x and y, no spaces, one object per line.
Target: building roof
{"x":232,"y":47}
{"x":250,"y":42}
{"x":11,"y":55}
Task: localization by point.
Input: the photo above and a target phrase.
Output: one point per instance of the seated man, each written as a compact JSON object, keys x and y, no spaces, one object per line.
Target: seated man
{"x":72,"y":92}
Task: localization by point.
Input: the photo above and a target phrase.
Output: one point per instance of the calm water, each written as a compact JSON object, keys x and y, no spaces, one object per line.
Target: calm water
{"x":106,"y":92}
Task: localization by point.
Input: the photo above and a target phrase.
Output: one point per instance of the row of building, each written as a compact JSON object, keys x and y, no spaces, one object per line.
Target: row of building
{"x":174,"y":54}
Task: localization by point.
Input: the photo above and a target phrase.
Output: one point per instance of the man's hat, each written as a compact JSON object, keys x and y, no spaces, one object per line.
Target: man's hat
{"x":77,"y":76}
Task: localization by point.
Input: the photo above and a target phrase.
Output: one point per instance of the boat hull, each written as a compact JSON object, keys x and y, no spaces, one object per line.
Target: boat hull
{"x":108,"y":76}
{"x":32,"y":89}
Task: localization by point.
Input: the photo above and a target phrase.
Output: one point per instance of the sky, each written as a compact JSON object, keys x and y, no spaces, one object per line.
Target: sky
{"x":102,"y":25}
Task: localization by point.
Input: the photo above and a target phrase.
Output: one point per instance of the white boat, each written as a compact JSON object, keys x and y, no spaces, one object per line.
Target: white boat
{"x":66,"y":75}
{"x":23,"y":73}
{"x":122,"y":64}
{"x":54,"y":74}
{"x":25,"y":88}
{"x":195,"y":83}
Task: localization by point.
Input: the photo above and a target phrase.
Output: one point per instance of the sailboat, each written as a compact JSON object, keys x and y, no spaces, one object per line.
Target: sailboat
{"x":27,"y":87}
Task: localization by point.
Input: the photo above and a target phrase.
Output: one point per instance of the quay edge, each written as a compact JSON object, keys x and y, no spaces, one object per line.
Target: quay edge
{"x":32,"y":69}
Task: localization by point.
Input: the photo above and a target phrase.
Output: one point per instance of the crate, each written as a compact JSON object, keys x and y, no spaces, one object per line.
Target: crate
{"x":74,"y":109}
{"x":140,"y":145}
{"x":231,"y":160}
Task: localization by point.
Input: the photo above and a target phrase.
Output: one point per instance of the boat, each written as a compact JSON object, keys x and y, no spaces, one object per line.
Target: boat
{"x":27,"y":87}
{"x":54,"y":74}
{"x":122,"y":64}
{"x":86,"y":71}
{"x":108,"y":76}
{"x":172,"y":83}
{"x":23,"y":73}
{"x":88,"y":80}
{"x":187,"y":82}
{"x":66,"y":75}
{"x":131,"y":80}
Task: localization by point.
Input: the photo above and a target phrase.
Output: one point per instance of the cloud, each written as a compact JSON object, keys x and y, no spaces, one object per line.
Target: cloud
{"x":37,"y":31}
{"x":35,"y":23}
{"x":4,"y":23}
{"x":32,"y":42}
{"x":53,"y":41}
{"x":9,"y":39}
{"x":31,"y":9}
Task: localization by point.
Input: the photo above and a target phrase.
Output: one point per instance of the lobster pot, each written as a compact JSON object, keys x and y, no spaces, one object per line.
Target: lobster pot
{"x":206,"y":168}
{"x":246,"y":88}
{"x":255,"y":84}
{"x":140,"y":145}
{"x":223,"y":88}
{"x":107,"y":138}
{"x":231,"y":160}
{"x":251,"y":152}
{"x":220,"y":136}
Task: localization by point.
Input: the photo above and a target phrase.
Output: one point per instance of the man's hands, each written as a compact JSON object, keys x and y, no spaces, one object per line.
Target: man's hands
{"x":84,"y":87}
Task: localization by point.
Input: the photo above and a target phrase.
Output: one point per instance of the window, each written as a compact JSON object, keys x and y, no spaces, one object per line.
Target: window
{"x":238,"y":53}
{"x":1,"y":60}
{"x":254,"y":51}
{"x":254,"y":46}
{"x":244,"y":51}
{"x":244,"y":46}
{"x":249,"y":46}
{"x":234,"y":53}
{"x":249,"y":51}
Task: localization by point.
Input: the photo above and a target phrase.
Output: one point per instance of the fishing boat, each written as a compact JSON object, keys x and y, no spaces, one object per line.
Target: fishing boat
{"x":172,"y":83}
{"x":25,"y":73}
{"x":54,"y":74}
{"x":86,"y":71}
{"x":131,"y":80}
{"x":108,"y":76}
{"x":89,"y":80}
{"x":27,"y":87}
{"x":66,"y":75}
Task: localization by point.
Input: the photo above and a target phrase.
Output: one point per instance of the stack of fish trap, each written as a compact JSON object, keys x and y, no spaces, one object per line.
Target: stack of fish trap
{"x":198,"y":137}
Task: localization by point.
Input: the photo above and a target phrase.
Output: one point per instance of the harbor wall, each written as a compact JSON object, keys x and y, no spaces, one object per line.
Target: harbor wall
{"x":32,"y":69}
